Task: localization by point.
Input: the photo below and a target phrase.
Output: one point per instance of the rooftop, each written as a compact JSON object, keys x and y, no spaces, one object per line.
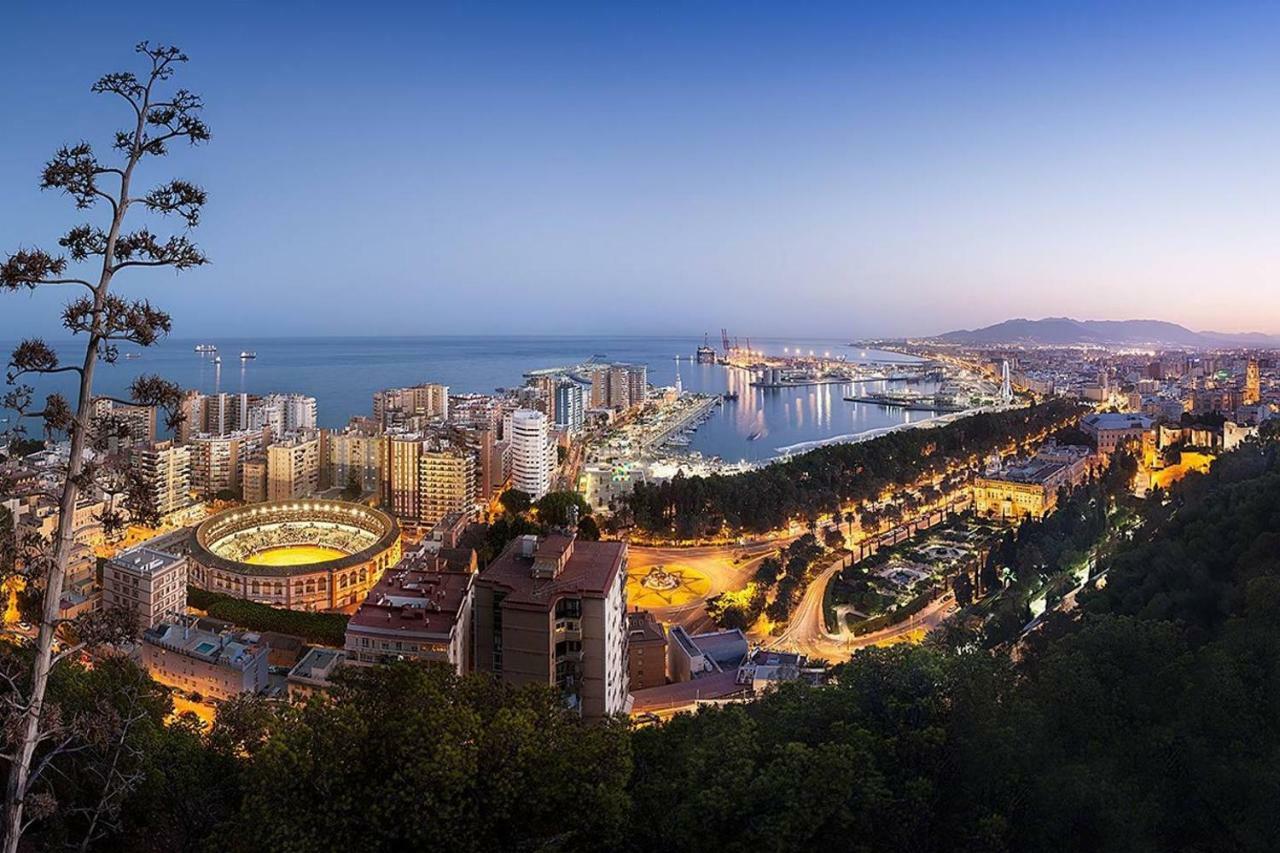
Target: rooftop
{"x":234,"y":650}
{"x":317,"y":664}
{"x":145,"y":561}
{"x":1116,"y":420}
{"x":589,"y":569}
{"x":422,"y":594}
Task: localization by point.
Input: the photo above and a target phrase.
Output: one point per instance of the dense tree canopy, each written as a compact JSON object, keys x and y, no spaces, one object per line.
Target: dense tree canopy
{"x":826,"y":479}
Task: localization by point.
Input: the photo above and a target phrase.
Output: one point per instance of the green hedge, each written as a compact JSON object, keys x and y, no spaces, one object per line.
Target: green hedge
{"x":326,"y":628}
{"x":884,"y":620}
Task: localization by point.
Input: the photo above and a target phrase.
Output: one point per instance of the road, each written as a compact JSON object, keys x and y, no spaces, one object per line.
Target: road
{"x":807,"y":633}
{"x":713,"y":568}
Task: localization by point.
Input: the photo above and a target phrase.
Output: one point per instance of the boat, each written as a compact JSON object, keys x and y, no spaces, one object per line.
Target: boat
{"x":206,"y":348}
{"x":132,"y":355}
{"x":730,"y":395}
{"x":217,"y":359}
{"x":755,"y":435}
{"x":246,"y":355}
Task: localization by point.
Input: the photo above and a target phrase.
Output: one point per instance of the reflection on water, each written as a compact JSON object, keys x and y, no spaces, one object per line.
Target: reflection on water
{"x":764,"y":421}
{"x":343,"y":374}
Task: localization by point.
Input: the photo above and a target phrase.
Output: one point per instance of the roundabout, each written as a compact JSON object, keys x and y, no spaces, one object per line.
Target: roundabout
{"x":669,"y":585}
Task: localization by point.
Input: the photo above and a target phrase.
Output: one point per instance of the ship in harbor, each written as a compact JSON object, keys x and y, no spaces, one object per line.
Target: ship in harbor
{"x":246,"y":355}
{"x":206,"y":348}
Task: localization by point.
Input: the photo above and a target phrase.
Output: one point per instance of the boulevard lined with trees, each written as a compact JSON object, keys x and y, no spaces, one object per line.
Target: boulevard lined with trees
{"x":823,"y":481}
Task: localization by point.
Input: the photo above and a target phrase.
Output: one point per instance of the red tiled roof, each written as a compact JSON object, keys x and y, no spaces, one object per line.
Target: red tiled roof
{"x":590,"y":571}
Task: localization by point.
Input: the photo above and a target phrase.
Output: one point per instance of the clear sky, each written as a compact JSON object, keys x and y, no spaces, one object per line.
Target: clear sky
{"x":785,"y":168}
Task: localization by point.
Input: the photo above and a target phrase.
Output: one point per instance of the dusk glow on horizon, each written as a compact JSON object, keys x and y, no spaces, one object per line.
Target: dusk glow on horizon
{"x":825,"y":170}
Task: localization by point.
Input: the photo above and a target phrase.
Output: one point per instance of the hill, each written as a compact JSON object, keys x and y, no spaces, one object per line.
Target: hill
{"x":1061,"y":331}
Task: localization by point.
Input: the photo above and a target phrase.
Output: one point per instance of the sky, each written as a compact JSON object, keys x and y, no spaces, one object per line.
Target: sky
{"x":824,"y":169}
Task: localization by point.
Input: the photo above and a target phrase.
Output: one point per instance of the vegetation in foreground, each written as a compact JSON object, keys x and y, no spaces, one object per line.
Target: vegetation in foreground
{"x":1150,"y":722}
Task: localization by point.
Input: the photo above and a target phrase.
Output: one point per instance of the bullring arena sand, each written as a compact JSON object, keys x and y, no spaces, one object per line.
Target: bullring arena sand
{"x":294,"y":555}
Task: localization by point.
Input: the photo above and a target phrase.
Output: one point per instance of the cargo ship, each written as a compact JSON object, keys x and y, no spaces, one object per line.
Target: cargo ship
{"x":206,"y":348}
{"x":246,"y":355}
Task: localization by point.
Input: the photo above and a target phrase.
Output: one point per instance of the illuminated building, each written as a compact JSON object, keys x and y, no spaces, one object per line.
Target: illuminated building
{"x":303,"y":555}
{"x":398,"y":406}
{"x":217,"y":461}
{"x":149,"y":584}
{"x":419,"y":610}
{"x":1110,"y":430}
{"x":1030,"y":487}
{"x":216,"y":664}
{"x":293,"y":467}
{"x":165,"y":468}
{"x":1252,"y":383}
{"x":137,"y":423}
{"x":352,"y":454}
{"x":446,"y":484}
{"x":401,"y":470}
{"x":568,"y":407}
{"x":532,"y":453}
{"x":552,"y":611}
{"x":253,"y":479}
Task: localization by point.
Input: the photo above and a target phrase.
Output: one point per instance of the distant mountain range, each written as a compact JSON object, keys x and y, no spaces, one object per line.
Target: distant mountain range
{"x":1054,"y":331}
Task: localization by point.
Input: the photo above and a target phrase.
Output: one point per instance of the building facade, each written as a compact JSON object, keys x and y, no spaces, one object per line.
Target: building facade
{"x":149,"y":584}
{"x":215,"y":664}
{"x":552,"y":611}
{"x":420,"y":610}
{"x":532,"y":453}
{"x":293,"y":467}
{"x":165,"y":468}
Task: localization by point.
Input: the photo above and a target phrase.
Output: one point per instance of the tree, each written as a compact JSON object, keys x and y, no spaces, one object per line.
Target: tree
{"x":104,"y":318}
{"x":354,"y":488}
{"x":516,"y":502}
{"x":588,"y":530}
{"x":834,"y":538}
{"x":557,"y":509}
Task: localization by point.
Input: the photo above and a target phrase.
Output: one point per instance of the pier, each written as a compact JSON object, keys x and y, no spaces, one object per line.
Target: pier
{"x":691,"y":417}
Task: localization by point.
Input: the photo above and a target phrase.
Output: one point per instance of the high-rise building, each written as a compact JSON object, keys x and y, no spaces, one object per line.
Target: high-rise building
{"x":399,"y":406}
{"x":619,"y":386}
{"x":352,"y":455}
{"x":217,"y":460}
{"x":150,"y":584}
{"x":532,"y":452}
{"x":282,"y":413}
{"x":166,"y":469}
{"x":1252,"y":383}
{"x":293,"y":467}
{"x":192,"y":411}
{"x":253,"y":479}
{"x":224,"y":413}
{"x":553,"y":611}
{"x":599,"y":387}
{"x":446,"y":484}
{"x":568,"y":406}
{"x":401,"y":471}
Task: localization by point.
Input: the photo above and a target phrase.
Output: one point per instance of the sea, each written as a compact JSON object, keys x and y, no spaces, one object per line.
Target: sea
{"x":342,"y":373}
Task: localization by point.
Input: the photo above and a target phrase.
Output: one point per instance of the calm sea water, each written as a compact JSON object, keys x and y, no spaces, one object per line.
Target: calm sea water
{"x":343,"y":373}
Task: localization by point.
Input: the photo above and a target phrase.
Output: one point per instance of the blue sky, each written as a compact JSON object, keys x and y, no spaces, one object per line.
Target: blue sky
{"x":789,"y":169}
